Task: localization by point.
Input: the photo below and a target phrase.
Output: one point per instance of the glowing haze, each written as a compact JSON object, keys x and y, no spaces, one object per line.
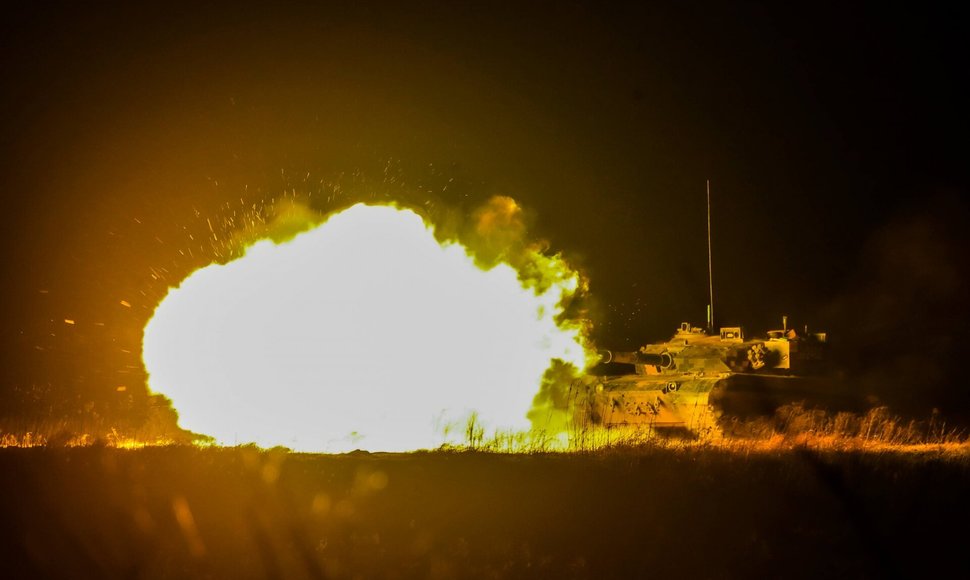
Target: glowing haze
{"x":364,"y":332}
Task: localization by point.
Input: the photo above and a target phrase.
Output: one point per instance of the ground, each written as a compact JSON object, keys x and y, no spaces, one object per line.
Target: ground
{"x":181,"y":511}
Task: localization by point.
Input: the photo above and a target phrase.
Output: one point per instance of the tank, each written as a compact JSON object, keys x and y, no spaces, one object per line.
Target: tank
{"x":699,"y":379}
{"x":703,"y":378}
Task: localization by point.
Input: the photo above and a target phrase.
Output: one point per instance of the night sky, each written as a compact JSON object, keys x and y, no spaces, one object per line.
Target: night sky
{"x":835,"y":139}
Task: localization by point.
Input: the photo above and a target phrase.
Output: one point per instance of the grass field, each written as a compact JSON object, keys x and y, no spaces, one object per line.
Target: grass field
{"x":647,"y":512}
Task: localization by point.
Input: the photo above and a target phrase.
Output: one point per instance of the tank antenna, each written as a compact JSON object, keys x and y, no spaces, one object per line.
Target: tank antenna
{"x":710,"y":264}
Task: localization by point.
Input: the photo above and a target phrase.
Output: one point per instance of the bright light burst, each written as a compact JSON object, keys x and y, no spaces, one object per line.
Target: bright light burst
{"x":364,"y":332}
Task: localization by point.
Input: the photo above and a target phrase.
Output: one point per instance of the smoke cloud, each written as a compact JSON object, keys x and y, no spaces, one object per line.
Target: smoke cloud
{"x":901,"y":331}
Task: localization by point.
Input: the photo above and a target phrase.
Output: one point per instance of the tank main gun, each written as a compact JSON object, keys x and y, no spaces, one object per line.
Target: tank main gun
{"x":662,"y":360}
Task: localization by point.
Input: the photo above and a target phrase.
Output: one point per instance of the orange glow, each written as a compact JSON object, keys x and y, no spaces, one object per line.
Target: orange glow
{"x":364,"y":332}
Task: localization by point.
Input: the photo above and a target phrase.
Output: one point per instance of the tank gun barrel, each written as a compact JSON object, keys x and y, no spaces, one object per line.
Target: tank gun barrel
{"x":663,"y":360}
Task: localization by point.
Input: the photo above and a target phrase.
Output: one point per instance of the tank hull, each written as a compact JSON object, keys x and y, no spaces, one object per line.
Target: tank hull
{"x":706,"y":404}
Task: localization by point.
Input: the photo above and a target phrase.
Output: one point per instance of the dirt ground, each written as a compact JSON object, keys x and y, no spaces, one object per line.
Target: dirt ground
{"x":183,"y":512}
